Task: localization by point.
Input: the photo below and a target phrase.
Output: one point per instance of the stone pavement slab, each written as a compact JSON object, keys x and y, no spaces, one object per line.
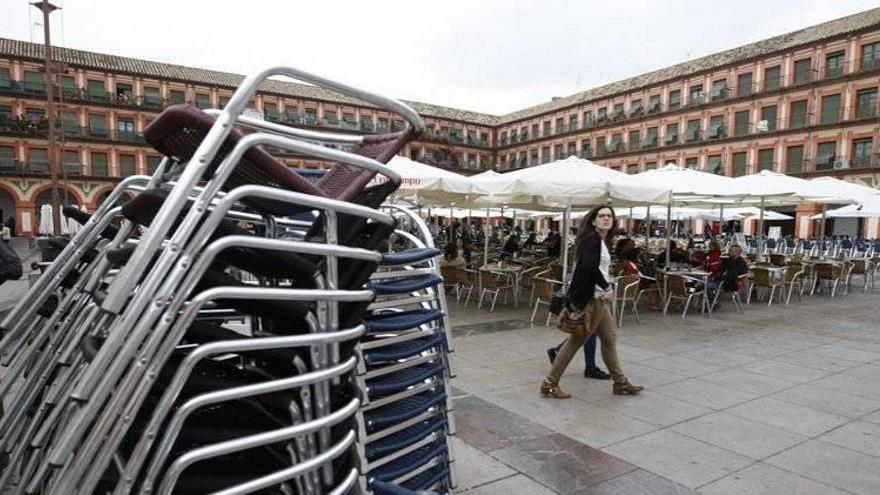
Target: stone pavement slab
{"x":787,"y":416}
{"x":705,"y":393}
{"x":679,"y":458}
{"x":833,"y":465}
{"x":763,"y":479}
{"x":739,"y":435}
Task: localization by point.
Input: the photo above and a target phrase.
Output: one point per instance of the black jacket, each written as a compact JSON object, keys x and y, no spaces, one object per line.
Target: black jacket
{"x":730,"y":270}
{"x":586,"y":273}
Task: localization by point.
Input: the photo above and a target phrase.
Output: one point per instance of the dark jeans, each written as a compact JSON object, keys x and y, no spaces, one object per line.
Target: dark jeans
{"x":589,"y":352}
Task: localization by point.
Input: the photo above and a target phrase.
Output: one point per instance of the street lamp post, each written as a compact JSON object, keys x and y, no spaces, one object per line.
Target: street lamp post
{"x":47,"y":8}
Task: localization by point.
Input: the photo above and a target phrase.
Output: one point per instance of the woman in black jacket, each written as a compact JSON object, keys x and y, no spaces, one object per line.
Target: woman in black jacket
{"x":591,"y":293}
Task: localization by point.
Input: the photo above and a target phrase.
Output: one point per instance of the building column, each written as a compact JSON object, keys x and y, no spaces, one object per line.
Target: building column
{"x":25,"y":217}
{"x":872,"y":228}
{"x":804,"y":226}
{"x":748,"y":225}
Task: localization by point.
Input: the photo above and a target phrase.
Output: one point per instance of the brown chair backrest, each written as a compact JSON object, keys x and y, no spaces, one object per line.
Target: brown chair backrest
{"x":449,"y":274}
{"x":545,"y":287}
{"x":676,"y":285}
{"x":791,"y":270}
{"x":628,"y":286}
{"x":180,"y":129}
{"x":777,"y":259}
{"x":760,"y":277}
{"x":488,"y":279}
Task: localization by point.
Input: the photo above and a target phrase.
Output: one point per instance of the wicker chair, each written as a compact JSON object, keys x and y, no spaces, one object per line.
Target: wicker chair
{"x":677,"y":288}
{"x":777,"y":259}
{"x":467,"y":280}
{"x":544,"y":288}
{"x":792,"y":277}
{"x":734,"y":294}
{"x":762,"y":278}
{"x":451,"y":279}
{"x":829,"y":273}
{"x":861,"y":267}
{"x":627,"y":292}
{"x":494,"y":283}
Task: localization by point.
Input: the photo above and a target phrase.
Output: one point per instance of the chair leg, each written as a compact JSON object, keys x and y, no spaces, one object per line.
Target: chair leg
{"x":749,"y":295}
{"x":535,"y":311}
{"x":770,"y":299}
{"x":636,"y":313}
{"x":482,"y":293}
{"x":687,"y":305}
{"x":494,"y":300}
{"x":666,"y":306}
{"x":549,"y":316}
{"x":468,"y":298}
{"x":620,"y":316}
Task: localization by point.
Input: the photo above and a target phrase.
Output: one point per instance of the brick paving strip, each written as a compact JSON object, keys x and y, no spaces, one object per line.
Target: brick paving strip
{"x":538,"y":459}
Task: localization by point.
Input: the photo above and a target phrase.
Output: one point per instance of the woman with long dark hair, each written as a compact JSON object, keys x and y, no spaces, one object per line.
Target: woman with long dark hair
{"x":590,"y":294}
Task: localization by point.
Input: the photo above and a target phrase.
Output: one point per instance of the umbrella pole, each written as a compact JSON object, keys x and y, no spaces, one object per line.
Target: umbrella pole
{"x":721,"y":219}
{"x":761,"y":230}
{"x":668,"y":231}
{"x":486,"y":231}
{"x":647,"y":225}
{"x":565,"y":219}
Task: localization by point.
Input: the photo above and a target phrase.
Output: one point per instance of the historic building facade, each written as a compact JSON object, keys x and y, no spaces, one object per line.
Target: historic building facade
{"x":804,"y":103}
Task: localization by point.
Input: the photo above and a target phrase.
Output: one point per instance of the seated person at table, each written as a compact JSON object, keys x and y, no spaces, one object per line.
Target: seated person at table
{"x":451,"y":256}
{"x":676,"y":255}
{"x":712,"y":263}
{"x":631,"y":266}
{"x":731,"y":268}
{"x":623,"y":245}
{"x":511,"y":244}
{"x":531,"y":241}
{"x":553,"y":242}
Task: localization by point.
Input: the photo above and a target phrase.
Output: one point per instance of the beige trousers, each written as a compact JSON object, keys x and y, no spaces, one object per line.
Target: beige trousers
{"x":607,"y":334}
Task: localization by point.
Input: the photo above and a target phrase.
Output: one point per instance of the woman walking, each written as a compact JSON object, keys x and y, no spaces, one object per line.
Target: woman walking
{"x":590,"y":294}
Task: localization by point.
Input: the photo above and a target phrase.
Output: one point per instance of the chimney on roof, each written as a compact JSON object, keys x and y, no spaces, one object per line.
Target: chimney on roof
{"x":556,"y":98}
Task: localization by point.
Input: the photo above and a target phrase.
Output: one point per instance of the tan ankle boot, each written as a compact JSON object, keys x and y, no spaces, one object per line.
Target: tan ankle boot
{"x":550,"y":389}
{"x":626,"y":388}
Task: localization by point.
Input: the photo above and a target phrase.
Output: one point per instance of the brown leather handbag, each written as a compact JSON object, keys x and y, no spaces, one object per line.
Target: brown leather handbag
{"x":578,"y":324}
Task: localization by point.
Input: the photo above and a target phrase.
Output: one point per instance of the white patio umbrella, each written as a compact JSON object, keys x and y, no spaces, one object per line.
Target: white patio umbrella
{"x":867,"y":207}
{"x":563,"y":184}
{"x":431,"y":185}
{"x":770,"y":188}
{"x":751,"y":211}
{"x":845,"y":188}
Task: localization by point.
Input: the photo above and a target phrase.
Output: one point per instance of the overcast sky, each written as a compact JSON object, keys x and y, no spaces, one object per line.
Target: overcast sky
{"x":488,"y":56}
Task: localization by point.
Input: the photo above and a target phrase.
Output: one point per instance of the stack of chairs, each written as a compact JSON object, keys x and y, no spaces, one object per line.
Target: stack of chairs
{"x":406,"y":415}
{"x":202,"y":331}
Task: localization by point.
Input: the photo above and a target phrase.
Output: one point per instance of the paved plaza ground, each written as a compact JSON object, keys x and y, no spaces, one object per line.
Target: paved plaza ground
{"x":779,"y":400}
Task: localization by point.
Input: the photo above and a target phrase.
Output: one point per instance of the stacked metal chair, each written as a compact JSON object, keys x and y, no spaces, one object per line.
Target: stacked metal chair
{"x":406,"y":415}
{"x":173,"y":349}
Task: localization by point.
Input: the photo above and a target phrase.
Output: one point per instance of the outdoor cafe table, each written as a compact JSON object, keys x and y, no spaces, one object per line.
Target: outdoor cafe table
{"x":510,"y":269}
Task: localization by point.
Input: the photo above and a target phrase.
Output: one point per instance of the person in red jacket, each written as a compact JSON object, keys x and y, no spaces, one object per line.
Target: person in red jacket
{"x":712,"y":263}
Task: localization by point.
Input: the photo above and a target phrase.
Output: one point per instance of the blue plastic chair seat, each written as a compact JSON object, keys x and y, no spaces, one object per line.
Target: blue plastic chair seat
{"x":429,"y":478}
{"x":404,"y":320}
{"x":403,"y":285}
{"x":402,"y":350}
{"x":403,"y":438}
{"x":401,"y":380}
{"x":409,"y":256}
{"x":409,"y":462}
{"x":402,"y":410}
